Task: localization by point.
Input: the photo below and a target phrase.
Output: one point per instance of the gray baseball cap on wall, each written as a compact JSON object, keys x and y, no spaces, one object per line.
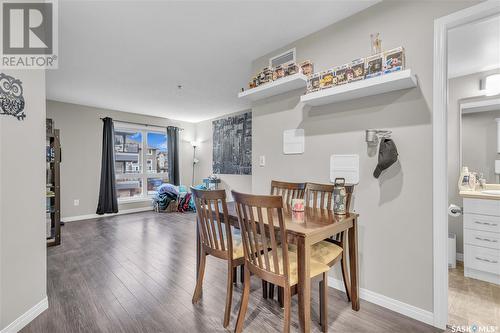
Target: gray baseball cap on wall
{"x":387,"y":156}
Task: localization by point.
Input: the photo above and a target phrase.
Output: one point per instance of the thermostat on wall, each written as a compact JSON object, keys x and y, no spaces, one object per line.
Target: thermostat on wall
{"x":345,"y":166}
{"x":293,"y":141}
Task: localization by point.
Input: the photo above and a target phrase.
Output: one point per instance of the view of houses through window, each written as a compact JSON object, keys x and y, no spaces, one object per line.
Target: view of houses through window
{"x":141,"y":162}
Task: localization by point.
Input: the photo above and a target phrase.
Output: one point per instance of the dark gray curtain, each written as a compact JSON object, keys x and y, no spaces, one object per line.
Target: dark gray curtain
{"x":108,"y":202}
{"x":173,"y":154}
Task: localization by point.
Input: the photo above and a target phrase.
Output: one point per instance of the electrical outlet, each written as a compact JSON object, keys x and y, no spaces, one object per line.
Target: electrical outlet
{"x":262,"y":160}
{"x":76,"y":202}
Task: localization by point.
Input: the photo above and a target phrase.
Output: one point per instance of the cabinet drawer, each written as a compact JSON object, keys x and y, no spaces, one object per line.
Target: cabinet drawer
{"x":482,"y":222}
{"x":482,"y":238}
{"x":482,"y":206}
{"x":482,"y":259}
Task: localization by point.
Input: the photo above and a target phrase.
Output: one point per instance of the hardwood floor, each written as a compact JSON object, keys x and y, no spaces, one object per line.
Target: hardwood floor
{"x":136,"y":273}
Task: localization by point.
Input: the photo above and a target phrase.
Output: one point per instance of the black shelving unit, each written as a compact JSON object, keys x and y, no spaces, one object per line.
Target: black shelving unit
{"x":53,"y":189}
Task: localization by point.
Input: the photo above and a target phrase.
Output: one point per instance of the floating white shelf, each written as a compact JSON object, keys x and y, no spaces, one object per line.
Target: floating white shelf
{"x":367,"y":87}
{"x":280,"y":86}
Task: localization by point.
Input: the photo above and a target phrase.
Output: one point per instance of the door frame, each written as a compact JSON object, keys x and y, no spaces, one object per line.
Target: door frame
{"x":440,"y":149}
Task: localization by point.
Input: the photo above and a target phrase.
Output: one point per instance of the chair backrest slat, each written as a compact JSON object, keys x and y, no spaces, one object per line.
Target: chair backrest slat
{"x":325,"y":192}
{"x":220,"y":226}
{"x":263,"y":237}
{"x":255,"y":236}
{"x":262,"y":224}
{"x":215,"y":234}
{"x":288,"y":191}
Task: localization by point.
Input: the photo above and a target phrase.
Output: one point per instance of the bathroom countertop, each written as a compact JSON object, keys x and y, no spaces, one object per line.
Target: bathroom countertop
{"x":477,"y":194}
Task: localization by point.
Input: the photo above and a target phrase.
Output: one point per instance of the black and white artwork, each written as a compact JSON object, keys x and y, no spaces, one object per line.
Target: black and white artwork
{"x":11,"y":97}
{"x":232,"y":145}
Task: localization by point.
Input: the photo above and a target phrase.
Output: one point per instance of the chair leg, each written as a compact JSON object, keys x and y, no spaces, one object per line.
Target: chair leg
{"x":242,"y":273}
{"x":264,"y":289}
{"x":199,"y":282}
{"x":244,"y":302}
{"x":324,"y":302}
{"x":321,"y":289}
{"x":229,"y":294}
{"x":280,"y":296}
{"x":287,"y":305}
{"x":235,"y":275}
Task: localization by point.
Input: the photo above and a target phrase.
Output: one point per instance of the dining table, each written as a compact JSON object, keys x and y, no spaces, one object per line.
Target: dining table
{"x":305,"y":229}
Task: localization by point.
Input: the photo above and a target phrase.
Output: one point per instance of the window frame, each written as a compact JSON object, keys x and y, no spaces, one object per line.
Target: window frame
{"x":144,"y":173}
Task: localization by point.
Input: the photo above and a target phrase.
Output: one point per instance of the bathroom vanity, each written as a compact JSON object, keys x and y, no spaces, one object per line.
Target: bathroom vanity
{"x":482,"y":233}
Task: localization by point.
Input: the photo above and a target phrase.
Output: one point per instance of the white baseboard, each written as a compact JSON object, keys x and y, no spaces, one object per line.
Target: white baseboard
{"x":389,"y":303}
{"x":96,"y":216}
{"x":460,"y":257}
{"x":27,"y":317}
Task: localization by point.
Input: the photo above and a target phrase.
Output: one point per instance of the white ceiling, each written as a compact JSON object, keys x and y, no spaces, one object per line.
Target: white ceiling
{"x":474,"y":48}
{"x":131,"y":56}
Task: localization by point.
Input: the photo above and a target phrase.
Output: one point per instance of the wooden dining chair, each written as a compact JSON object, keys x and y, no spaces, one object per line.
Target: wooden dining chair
{"x":334,"y":249}
{"x":262,"y":224}
{"x":217,"y":239}
{"x":288,"y":191}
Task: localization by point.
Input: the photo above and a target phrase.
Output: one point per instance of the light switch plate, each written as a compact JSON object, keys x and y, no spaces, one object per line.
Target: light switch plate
{"x":262,"y":160}
{"x":76,"y":202}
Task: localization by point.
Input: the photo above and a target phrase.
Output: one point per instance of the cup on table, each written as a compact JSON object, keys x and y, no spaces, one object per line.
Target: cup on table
{"x":298,"y":205}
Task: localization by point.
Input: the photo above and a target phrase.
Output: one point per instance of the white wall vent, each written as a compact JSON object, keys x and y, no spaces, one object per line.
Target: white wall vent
{"x":282,"y":58}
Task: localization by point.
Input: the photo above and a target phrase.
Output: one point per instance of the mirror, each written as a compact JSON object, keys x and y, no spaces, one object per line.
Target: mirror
{"x":480,"y":136}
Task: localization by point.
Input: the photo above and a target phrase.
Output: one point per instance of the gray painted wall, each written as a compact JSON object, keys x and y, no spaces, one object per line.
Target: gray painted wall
{"x":22,"y":203}
{"x":395,"y":231}
{"x":81,"y":141}
{"x":459,"y":88}
{"x":242,"y":183}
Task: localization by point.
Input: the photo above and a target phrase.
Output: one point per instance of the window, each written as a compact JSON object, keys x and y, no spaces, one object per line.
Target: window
{"x":141,"y":162}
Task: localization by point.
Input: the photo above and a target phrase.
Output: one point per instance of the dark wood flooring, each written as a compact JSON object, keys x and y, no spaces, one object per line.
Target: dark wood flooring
{"x":136,"y":273}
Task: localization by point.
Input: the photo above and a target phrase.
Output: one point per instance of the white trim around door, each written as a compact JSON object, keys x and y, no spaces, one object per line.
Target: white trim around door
{"x":440,"y":148}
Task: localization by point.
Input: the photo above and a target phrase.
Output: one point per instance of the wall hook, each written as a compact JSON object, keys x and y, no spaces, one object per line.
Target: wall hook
{"x":372,"y":136}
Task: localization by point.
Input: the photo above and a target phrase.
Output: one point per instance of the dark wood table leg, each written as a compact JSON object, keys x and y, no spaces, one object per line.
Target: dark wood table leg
{"x":304,"y":285}
{"x":198,"y":250}
{"x":353,"y":264}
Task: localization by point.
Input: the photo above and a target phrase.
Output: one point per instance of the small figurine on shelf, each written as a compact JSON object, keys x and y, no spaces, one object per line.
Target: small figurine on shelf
{"x":356,"y":70}
{"x":341,"y":73}
{"x":374,"y":66}
{"x":376,"y":43}
{"x":265,"y":76}
{"x":394,"y":60}
{"x":291,"y":68}
{"x":326,"y":80}
{"x":306,"y":67}
{"x":313,"y":83}
{"x":278,"y":73}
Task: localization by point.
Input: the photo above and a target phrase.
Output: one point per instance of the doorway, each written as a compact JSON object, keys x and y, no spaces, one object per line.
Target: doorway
{"x":441,"y":148}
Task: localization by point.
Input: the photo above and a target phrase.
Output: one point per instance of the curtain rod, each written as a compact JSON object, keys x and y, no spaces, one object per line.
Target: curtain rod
{"x":147,"y":125}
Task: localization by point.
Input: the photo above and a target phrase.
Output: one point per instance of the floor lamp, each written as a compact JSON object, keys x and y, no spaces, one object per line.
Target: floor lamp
{"x":195,"y":160}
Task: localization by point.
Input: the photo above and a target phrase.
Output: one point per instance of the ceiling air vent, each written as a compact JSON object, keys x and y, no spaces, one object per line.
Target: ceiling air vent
{"x":282,"y":58}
